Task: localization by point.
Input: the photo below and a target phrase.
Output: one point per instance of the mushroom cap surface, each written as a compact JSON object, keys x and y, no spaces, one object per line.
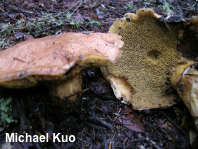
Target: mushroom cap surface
{"x":141,"y":76}
{"x":52,"y":57}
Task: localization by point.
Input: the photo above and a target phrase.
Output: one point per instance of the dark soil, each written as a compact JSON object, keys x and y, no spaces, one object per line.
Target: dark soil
{"x":99,"y":119}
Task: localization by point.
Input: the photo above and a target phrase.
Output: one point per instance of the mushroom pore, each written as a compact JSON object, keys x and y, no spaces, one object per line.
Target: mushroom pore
{"x":141,"y":75}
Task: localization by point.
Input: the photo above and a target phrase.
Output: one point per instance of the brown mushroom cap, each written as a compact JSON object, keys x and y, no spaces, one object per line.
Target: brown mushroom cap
{"x":52,"y":57}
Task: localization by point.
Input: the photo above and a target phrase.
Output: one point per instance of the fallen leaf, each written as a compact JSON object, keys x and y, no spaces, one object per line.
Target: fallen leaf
{"x":127,"y":110}
{"x":130,"y":124}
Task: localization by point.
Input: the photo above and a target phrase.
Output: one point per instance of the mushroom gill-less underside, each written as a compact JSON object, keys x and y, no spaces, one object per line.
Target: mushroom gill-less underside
{"x":141,"y":75}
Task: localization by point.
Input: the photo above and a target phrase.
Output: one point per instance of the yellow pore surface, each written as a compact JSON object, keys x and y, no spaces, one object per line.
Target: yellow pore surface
{"x":149,"y":52}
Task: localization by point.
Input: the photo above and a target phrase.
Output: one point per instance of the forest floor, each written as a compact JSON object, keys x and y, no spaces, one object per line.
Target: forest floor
{"x":99,"y":120}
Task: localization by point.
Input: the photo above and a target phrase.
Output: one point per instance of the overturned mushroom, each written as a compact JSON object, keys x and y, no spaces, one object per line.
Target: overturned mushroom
{"x":184,"y":79}
{"x":184,"y":74}
{"x":156,"y":57}
{"x":57,"y":60}
{"x":140,"y":77}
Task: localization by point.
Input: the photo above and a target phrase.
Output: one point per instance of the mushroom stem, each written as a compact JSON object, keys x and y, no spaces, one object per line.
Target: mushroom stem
{"x":184,"y":79}
{"x":64,"y":90}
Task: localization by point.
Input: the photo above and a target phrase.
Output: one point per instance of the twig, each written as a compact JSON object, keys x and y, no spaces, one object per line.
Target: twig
{"x":95,"y":119}
{"x":19,"y":9}
{"x":77,"y":7}
{"x":154,"y":144}
{"x":110,"y":144}
{"x":167,"y":26}
{"x":170,"y":120}
{"x":98,"y":108}
{"x":69,"y":9}
{"x":117,"y":114}
{"x":166,"y":23}
{"x":8,"y":14}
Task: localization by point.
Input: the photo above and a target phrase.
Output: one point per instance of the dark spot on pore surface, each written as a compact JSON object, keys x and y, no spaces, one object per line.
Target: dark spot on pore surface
{"x":54,"y":57}
{"x":154,"y":54}
{"x":53,"y":42}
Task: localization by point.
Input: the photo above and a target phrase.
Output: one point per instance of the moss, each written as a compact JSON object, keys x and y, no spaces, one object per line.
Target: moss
{"x":6,"y":110}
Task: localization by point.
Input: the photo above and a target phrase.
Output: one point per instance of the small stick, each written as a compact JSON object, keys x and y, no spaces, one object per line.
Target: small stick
{"x":118,"y":114}
{"x":8,"y":14}
{"x":98,"y":108}
{"x":110,"y":144}
{"x":170,"y":120}
{"x":68,"y":9}
{"x":95,"y":119}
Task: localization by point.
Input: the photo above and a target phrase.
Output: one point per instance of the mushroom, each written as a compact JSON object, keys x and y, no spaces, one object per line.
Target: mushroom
{"x":155,"y":59}
{"x":141,"y":76}
{"x":57,"y":61}
{"x":184,"y":79}
{"x":184,"y":74}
